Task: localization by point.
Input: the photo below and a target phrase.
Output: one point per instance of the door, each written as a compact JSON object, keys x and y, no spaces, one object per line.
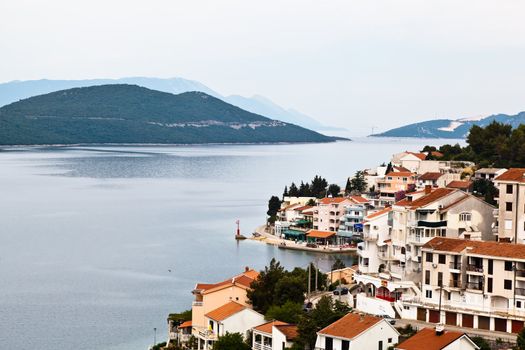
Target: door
{"x":380,"y":345}
{"x":345,"y":345}
{"x":467,"y":321}
{"x":433,"y":316}
{"x":450,"y":318}
{"x":421,"y":314}
{"x":328,"y":343}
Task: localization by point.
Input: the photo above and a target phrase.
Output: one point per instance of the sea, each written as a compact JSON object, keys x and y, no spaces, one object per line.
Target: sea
{"x":98,"y":244}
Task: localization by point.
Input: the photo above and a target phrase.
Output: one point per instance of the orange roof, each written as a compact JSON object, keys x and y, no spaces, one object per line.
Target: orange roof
{"x":320,"y":234}
{"x":350,"y":326}
{"x":400,"y":173}
{"x":378,"y":213}
{"x":267,"y":327}
{"x":186,"y":324}
{"x":428,"y":340}
{"x":359,"y":199}
{"x":332,"y":200}
{"x":243,"y":280}
{"x":483,"y":248}
{"x":459,"y":184}
{"x":421,"y":156}
{"x":437,"y":154}
{"x":289,"y":330}
{"x":225,"y":311}
{"x":513,"y":174}
{"x":433,"y":196}
{"x":304,"y":207}
{"x":430,"y":176}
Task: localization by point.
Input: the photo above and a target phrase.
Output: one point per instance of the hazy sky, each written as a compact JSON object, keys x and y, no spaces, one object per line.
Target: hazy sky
{"x":355,"y":64}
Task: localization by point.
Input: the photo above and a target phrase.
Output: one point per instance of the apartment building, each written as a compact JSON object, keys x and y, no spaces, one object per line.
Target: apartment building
{"x":376,"y":241}
{"x":488,"y":173}
{"x":351,"y":224}
{"x":436,"y":179}
{"x":394,"y":186}
{"x":511,"y":203}
{"x":329,"y":212}
{"x":472,"y":284}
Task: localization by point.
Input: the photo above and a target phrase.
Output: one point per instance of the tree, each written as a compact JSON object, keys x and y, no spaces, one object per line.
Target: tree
{"x":293,"y":191}
{"x":318,"y":187}
{"x":481,"y":342}
{"x":338,"y":264}
{"x":359,"y":182}
{"x":262,"y":291}
{"x":486,"y":189}
{"x":274,"y":204}
{"x":520,"y":341}
{"x":231,"y":341}
{"x":289,"y":312}
{"x":348,"y":187}
{"x":285,"y":192}
{"x":311,"y":202}
{"x":304,"y":190}
{"x":289,"y":288}
{"x":334,"y":190}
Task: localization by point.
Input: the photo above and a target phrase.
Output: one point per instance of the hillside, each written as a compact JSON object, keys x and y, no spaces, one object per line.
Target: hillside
{"x":16,"y":90}
{"x":133,"y":114}
{"x":449,"y":128}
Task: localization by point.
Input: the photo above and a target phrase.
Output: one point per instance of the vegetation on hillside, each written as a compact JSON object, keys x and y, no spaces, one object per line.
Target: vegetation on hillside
{"x":316,"y":188}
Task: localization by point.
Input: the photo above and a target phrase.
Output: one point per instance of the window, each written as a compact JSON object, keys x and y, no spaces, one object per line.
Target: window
{"x":508,"y":224}
{"x":329,"y":343}
{"x":507,"y":284}
{"x":508,"y":206}
{"x":491,"y":266}
{"x":380,"y":345}
{"x":345,"y":345}
{"x":509,"y":189}
{"x":430,"y":257}
{"x":442,"y":258}
{"x":440,"y":279}
{"x":428,"y":294}
{"x":518,"y":303}
{"x":508,"y":265}
{"x":427,"y":277}
{"x":489,"y":285}
{"x":389,"y":340}
{"x":465,"y":217}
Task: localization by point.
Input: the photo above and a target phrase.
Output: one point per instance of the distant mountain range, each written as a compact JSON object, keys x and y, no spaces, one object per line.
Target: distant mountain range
{"x":120,"y":113}
{"x":17,"y":90}
{"x":449,"y":128}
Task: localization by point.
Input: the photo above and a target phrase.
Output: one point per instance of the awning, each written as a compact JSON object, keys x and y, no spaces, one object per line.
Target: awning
{"x":293,"y":233}
{"x":320,"y":234}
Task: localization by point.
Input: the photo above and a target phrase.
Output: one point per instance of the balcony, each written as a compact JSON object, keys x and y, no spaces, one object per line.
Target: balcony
{"x":474,"y":268}
{"x":520,"y":291}
{"x":422,"y":223}
{"x":475,"y":285}
{"x":260,"y":346}
{"x":370,"y":236}
{"x":520,"y":273}
{"x":454,"y":283}
{"x":455,"y":266}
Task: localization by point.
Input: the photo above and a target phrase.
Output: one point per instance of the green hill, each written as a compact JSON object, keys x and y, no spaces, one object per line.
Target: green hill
{"x":133,"y":114}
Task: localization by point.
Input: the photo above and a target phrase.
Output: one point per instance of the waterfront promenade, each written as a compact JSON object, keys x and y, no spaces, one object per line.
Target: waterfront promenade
{"x":268,"y":238}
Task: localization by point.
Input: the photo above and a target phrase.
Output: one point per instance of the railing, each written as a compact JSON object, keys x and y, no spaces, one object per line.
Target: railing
{"x":197,"y":303}
{"x":475,"y":285}
{"x":260,"y":346}
{"x":370,"y":236}
{"x":454,"y":283}
{"x":520,"y":291}
{"x":520,"y":273}
{"x":455,"y":265}
{"x":474,"y":268}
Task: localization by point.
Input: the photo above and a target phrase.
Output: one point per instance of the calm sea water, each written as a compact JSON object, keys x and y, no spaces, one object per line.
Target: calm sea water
{"x":88,"y":234}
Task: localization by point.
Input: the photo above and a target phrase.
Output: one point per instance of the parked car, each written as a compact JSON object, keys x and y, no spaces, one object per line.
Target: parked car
{"x":389,"y":319}
{"x":341,"y":291}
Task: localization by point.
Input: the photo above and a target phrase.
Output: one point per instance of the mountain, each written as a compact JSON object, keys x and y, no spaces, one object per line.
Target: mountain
{"x":450,"y":128}
{"x":121,"y":113}
{"x":17,"y":90}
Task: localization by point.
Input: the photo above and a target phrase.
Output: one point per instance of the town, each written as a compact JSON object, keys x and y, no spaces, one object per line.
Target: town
{"x":440,"y":264}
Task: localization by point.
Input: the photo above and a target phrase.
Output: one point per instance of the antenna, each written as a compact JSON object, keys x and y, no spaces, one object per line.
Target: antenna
{"x":373,"y":129}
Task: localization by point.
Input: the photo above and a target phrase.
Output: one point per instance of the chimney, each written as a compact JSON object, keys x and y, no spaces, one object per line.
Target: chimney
{"x":440,"y":329}
{"x":428,"y":189}
{"x":246,"y":269}
{"x":361,"y":317}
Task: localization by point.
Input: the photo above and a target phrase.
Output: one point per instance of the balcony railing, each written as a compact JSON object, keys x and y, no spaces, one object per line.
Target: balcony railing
{"x":474,"y":268}
{"x":520,"y":273}
{"x":197,"y":303}
{"x":455,"y":265}
{"x":454,"y":283}
{"x":260,"y":346}
{"x":370,"y":236}
{"x":520,"y":291}
{"x":475,"y":285}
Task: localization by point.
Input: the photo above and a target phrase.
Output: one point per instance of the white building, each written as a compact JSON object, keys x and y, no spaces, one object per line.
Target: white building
{"x":273,"y":335}
{"x":511,"y":202}
{"x":329,"y":212}
{"x":232,"y":318}
{"x":357,"y":332}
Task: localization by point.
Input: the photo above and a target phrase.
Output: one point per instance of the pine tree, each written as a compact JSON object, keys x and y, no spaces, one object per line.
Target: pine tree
{"x":293,"y":191}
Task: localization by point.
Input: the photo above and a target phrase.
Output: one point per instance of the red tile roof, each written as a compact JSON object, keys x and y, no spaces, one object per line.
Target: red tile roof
{"x":304,"y":207}
{"x":267,"y":327}
{"x":320,"y":234}
{"x":428,"y":340}
{"x":378,"y":213}
{"x":332,"y":200}
{"x":482,"y":248}
{"x":359,"y":199}
{"x":433,"y":196}
{"x":513,"y":174}
{"x":243,"y":280}
{"x":437,"y":154}
{"x":225,"y":311}
{"x":400,"y":173}
{"x":462,"y":185}
{"x":290,"y":331}
{"x":430,"y":176}
{"x":350,"y":326}
{"x":186,"y":324}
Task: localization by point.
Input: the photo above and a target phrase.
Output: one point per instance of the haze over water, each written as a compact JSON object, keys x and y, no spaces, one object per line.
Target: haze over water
{"x":88,"y":234}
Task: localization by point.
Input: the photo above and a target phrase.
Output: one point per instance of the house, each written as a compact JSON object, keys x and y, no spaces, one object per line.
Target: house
{"x":511,"y":203}
{"x":356,"y":332}
{"x":475,"y":284}
{"x":465,"y":186}
{"x":344,"y":274}
{"x":209,"y":297}
{"x":231,"y":317}
{"x":488,"y":173}
{"x":394,"y":186}
{"x":329,"y":212}
{"x":438,"y":339}
{"x":274,"y":335}
{"x":437,"y":179}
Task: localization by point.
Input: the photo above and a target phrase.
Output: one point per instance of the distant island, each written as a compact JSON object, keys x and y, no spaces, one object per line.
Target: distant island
{"x":21,"y":89}
{"x":124,"y":113}
{"x":450,"y":128}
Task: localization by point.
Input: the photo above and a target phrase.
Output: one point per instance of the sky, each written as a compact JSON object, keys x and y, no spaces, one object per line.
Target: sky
{"x":353,"y":64}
